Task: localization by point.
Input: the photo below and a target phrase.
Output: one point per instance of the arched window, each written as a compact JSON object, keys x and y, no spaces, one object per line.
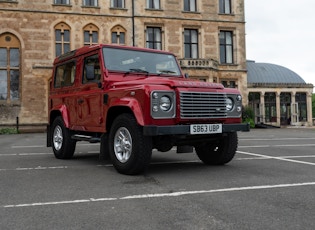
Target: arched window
{"x":62,"y":38}
{"x":90,"y":34}
{"x":118,"y":35}
{"x":9,"y":68}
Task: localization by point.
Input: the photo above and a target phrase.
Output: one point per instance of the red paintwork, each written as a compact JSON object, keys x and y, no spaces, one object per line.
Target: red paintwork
{"x":131,"y":92}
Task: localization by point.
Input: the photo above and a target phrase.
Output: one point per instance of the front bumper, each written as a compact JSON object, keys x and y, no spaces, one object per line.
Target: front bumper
{"x":152,"y":130}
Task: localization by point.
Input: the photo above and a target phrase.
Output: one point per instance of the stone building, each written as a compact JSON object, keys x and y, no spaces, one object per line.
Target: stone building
{"x":208,"y":37}
{"x":278,"y":96}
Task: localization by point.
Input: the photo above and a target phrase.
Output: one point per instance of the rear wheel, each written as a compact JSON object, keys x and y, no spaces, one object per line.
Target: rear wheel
{"x":218,"y":152}
{"x":129,"y":150}
{"x":61,"y":142}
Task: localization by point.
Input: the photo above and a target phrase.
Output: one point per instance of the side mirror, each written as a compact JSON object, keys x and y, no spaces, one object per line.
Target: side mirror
{"x":186,"y":75}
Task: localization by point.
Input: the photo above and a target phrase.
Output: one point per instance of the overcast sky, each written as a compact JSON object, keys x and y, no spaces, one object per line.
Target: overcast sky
{"x":282,"y":32}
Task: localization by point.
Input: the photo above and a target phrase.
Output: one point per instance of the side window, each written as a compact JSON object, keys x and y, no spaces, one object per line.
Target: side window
{"x":91,"y":71}
{"x":65,"y":75}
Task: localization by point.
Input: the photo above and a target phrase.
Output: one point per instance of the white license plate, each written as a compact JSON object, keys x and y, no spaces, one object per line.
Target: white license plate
{"x":205,"y":128}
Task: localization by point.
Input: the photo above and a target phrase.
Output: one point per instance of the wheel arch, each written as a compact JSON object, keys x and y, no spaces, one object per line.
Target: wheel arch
{"x":114,"y":111}
{"x":61,"y":111}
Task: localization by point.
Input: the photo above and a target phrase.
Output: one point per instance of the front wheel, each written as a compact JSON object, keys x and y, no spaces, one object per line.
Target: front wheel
{"x":61,"y":142}
{"x":129,"y":150}
{"x":220,"y":151}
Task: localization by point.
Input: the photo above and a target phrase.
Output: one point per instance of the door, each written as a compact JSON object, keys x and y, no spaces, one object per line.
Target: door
{"x":89,"y":98}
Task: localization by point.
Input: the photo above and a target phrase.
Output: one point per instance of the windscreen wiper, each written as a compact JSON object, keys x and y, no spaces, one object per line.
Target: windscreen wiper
{"x":137,"y":71}
{"x":166,"y":72}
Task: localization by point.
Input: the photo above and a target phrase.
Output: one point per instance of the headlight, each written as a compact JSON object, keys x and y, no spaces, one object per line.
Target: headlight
{"x":229,"y":104}
{"x":165,"y":103}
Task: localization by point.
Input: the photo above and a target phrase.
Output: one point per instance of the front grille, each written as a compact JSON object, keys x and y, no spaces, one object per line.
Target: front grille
{"x":202,"y":105}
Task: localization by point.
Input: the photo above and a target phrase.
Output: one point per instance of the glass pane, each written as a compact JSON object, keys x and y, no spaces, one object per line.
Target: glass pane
{"x":227,"y":9}
{"x":14,"y":57}
{"x":66,"y":36}
{"x":150,"y":35}
{"x":122,"y":38}
{"x":221,"y":6}
{"x":222,"y":54}
{"x":222,"y":38}
{"x":186,"y":5}
{"x":194,"y":36}
{"x":66,"y":48}
{"x":14,"y":84}
{"x":58,"y":50}
{"x":95,"y":37}
{"x":187,"y":36}
{"x":194,"y":51}
{"x":156,"y":4}
{"x":187,"y":51}
{"x":157,"y":35}
{"x":58,"y":35}
{"x":86,"y":36}
{"x":158,"y":46}
{"x":3,"y":85}
{"x":3,"y":57}
{"x":228,"y":37}
{"x":192,"y":5}
{"x":114,"y":37}
{"x":229,"y":54}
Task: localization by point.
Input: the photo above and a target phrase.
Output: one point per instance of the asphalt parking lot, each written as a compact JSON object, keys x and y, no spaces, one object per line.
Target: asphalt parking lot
{"x":270,"y":184}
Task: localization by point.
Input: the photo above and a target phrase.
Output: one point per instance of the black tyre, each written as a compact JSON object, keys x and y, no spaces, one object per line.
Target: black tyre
{"x":218,"y":152}
{"x":61,"y":142}
{"x":129,"y":150}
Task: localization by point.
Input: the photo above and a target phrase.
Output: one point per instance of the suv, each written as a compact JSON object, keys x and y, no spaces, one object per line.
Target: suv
{"x":132,"y":100}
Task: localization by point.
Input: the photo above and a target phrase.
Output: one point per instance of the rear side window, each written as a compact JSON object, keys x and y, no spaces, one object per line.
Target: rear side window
{"x":65,"y":75}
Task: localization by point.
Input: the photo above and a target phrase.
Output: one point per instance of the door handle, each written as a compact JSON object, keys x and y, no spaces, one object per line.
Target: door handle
{"x":80,"y":101}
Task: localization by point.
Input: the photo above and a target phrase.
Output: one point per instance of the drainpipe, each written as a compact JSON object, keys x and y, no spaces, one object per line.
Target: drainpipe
{"x":133,"y":23}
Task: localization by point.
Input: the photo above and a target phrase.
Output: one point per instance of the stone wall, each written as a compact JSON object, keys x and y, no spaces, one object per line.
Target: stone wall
{"x":33,"y":22}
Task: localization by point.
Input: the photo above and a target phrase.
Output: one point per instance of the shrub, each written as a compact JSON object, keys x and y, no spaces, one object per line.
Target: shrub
{"x":248,"y":116}
{"x":8,"y":131}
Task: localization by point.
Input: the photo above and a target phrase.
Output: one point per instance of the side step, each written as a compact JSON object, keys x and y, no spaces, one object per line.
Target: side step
{"x":86,"y":138}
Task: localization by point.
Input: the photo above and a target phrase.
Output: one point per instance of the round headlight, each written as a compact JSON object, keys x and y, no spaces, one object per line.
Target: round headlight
{"x":165,"y":103}
{"x":229,"y":104}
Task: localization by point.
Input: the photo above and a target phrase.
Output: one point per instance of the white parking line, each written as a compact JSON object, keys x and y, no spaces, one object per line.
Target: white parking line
{"x":161,"y":195}
{"x":35,"y":168}
{"x":277,"y":158}
{"x":277,"y":139}
{"x":23,"y":154}
{"x":267,"y":146}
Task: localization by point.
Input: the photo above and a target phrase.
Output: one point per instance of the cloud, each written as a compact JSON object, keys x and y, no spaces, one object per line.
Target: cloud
{"x":282,"y":32}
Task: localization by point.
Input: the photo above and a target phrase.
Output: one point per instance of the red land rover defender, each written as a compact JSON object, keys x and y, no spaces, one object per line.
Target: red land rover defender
{"x":132,"y":100}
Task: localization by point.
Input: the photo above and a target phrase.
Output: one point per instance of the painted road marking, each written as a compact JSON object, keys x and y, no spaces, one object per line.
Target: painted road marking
{"x":161,"y":195}
{"x":267,"y":146}
{"x":277,"y":158}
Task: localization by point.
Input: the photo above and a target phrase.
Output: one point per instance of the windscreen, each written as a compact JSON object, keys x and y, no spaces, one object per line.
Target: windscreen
{"x":140,"y":61}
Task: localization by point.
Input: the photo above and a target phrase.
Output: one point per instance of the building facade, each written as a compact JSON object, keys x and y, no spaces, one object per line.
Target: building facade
{"x":208,"y":37}
{"x":278,"y":96}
